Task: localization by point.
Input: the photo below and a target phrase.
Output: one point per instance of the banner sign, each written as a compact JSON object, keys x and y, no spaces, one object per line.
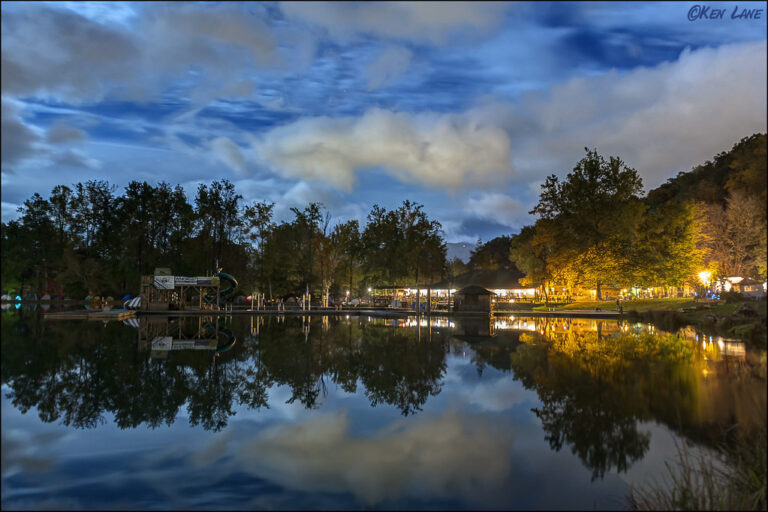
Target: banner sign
{"x":164,"y":282}
{"x":208,"y":280}
{"x":184,"y":281}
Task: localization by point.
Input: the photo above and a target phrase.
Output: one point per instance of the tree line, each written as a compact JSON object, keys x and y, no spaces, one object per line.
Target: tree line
{"x":594,"y":228}
{"x":87,"y":239}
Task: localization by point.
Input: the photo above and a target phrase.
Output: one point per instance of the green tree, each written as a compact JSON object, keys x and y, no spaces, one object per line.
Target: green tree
{"x":258,"y":225}
{"x":596,"y":209}
{"x":492,"y":255}
{"x":402,"y":246}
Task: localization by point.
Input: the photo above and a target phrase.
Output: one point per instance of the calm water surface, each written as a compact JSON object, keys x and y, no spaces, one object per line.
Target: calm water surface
{"x":358,"y":412}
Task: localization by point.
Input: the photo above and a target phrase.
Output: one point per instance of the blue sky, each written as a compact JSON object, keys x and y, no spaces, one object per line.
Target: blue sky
{"x":463,"y":107}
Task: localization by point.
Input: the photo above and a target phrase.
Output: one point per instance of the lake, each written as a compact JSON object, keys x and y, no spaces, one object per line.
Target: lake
{"x":353,"y":412}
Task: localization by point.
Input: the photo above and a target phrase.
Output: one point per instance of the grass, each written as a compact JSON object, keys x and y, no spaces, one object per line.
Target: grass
{"x":639,"y":305}
{"x":733,"y":480}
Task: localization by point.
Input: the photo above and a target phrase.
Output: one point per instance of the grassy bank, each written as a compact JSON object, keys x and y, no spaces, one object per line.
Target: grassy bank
{"x":732,"y":479}
{"x":724,"y":317}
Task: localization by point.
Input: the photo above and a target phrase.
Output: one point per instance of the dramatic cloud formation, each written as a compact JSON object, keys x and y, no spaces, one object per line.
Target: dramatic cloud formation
{"x":659,"y":120}
{"x":380,"y":101}
{"x":58,"y":54}
{"x":442,"y":150}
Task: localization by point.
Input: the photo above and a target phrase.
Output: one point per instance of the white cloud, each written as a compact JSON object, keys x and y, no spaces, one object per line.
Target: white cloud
{"x":421,"y":22}
{"x":229,"y":153}
{"x":499,"y":208}
{"x":449,"y":151}
{"x":80,"y":55}
{"x":392,"y":62}
{"x":659,"y":120}
{"x":421,"y":457}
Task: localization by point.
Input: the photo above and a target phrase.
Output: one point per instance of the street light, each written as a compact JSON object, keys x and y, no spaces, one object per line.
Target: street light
{"x":704,"y":276}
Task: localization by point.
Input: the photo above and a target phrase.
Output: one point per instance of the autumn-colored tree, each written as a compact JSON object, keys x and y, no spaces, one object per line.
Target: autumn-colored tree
{"x":594,"y":211}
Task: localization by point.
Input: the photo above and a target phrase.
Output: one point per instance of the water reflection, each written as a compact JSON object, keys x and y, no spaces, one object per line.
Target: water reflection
{"x":595,"y":381}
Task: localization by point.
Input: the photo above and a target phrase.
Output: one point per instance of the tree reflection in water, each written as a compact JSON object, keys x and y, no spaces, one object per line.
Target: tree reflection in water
{"x":77,"y":371}
{"x":595,"y":381}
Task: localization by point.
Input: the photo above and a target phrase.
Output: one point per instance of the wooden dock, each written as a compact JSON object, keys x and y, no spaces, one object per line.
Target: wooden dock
{"x":89,"y":314}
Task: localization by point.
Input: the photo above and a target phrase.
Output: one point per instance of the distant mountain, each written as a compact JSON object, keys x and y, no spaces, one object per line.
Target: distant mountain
{"x":459,"y":250}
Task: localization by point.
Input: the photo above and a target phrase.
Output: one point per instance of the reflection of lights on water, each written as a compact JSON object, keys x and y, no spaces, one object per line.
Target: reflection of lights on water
{"x":704,"y":372}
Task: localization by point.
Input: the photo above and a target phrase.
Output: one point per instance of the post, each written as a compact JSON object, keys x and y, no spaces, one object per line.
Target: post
{"x":429,"y":301}
{"x":418,"y":304}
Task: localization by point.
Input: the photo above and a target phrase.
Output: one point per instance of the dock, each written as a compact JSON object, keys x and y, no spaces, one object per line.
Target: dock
{"x":87,"y":314}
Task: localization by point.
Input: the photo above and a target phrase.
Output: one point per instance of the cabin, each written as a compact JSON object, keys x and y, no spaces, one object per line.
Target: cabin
{"x":475,"y":299}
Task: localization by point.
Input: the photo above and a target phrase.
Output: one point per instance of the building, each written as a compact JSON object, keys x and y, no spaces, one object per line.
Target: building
{"x":504,"y":285}
{"x":475,"y":299}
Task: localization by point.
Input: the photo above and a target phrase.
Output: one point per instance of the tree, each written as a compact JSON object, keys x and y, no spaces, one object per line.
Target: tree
{"x":258,"y":225}
{"x":666,"y":246}
{"x":492,"y":255}
{"x":735,"y":235}
{"x":402,"y":246}
{"x":596,"y":210}
{"x":218,"y":220}
{"x":329,"y":254}
{"x":307,"y":228}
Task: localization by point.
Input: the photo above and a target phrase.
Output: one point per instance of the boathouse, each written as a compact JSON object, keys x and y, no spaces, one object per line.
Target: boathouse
{"x":473,"y":299}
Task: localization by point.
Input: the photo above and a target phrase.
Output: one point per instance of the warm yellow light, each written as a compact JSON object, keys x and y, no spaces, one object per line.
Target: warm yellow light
{"x":704,"y":276}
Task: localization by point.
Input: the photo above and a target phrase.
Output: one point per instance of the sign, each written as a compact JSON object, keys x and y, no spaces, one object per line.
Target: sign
{"x":208,"y":280}
{"x":184,"y":281}
{"x":164,"y":282}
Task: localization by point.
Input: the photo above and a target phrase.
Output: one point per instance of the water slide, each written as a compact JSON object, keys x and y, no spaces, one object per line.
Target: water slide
{"x":226,"y":293}
{"x":226,"y":340}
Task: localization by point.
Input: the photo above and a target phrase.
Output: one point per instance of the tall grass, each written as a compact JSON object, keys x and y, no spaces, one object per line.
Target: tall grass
{"x":734,"y":479}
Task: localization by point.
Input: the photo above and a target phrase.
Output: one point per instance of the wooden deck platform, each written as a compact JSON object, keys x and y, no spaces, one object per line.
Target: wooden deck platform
{"x":89,"y":314}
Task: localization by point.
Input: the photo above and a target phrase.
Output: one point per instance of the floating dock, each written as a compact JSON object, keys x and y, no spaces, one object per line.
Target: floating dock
{"x":87,"y":314}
